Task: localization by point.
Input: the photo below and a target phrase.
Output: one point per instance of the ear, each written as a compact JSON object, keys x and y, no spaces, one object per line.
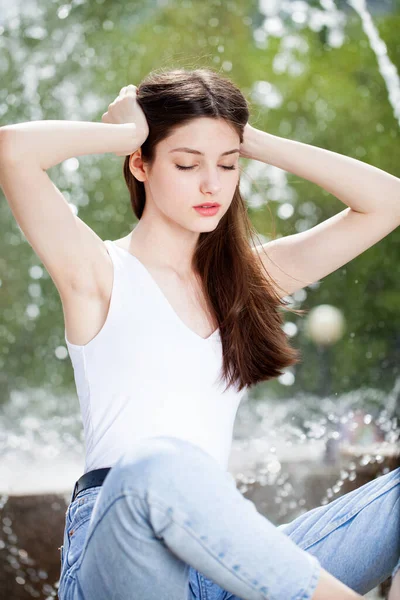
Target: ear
{"x":137,"y":166}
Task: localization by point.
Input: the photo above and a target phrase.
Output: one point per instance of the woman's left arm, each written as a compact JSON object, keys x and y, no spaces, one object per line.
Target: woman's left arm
{"x":372,"y":197}
{"x":364,"y":188}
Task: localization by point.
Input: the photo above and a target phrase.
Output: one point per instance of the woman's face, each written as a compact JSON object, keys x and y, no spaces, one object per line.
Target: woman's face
{"x":180,"y":180}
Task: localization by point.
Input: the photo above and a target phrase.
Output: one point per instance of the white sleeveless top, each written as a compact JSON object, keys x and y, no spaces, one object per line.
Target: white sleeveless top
{"x":145,"y":373}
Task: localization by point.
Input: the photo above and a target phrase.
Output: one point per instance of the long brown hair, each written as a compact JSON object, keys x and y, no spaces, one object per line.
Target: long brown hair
{"x":239,"y":295}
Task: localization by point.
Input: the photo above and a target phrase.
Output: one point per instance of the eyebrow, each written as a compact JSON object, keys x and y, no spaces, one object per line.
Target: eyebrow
{"x":192,"y":151}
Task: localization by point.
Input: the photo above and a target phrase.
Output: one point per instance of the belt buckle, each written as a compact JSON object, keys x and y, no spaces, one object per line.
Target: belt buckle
{"x":75,"y":491}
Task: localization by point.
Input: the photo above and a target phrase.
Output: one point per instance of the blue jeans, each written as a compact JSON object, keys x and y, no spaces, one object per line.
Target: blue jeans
{"x":168,"y":523}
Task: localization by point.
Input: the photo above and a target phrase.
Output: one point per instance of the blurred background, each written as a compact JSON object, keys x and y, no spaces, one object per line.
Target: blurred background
{"x":321,"y":72}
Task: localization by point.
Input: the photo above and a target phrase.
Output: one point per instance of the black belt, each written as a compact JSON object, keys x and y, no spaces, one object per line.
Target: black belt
{"x":90,"y":479}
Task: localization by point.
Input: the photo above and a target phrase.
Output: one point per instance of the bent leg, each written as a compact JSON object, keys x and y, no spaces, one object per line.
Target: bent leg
{"x":168,"y":505}
{"x":357,"y":536}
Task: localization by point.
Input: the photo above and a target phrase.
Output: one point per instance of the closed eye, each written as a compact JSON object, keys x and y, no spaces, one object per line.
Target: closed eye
{"x":188,"y":168}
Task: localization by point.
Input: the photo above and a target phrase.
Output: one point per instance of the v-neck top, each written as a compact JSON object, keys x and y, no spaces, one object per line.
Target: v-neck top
{"x":146,"y":374}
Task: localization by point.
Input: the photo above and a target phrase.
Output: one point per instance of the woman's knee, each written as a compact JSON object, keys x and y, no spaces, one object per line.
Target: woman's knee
{"x":155,"y":461}
{"x":155,"y":451}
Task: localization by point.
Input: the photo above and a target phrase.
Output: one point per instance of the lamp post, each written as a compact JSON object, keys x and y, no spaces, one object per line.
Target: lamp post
{"x":325,"y":325}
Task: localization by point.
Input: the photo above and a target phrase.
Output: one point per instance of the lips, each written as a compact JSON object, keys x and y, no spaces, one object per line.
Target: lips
{"x":208,"y":204}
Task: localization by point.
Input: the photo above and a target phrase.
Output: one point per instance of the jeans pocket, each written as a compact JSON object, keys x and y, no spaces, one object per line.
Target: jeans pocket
{"x":78,"y":519}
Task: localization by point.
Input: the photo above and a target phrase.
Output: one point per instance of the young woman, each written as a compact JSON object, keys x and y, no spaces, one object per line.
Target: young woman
{"x":169,"y":325}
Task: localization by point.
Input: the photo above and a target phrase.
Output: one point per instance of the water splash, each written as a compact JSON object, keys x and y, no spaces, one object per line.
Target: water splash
{"x":386,"y":68}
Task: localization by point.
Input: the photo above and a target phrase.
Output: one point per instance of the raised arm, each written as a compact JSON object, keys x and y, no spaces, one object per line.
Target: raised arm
{"x":64,"y":243}
{"x":371,"y":195}
{"x":47,"y":143}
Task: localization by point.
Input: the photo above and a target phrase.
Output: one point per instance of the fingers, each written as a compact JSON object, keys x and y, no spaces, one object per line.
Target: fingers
{"x":116,"y":108}
{"x":128,"y":89}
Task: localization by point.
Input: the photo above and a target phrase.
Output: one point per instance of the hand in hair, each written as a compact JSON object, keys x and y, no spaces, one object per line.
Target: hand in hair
{"x":246,"y":147}
{"x":125,"y":109}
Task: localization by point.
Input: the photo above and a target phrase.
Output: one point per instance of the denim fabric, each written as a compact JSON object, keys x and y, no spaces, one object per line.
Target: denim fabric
{"x":168,"y":523}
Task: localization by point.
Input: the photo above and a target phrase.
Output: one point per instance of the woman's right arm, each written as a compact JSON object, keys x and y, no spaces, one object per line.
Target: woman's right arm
{"x":67,"y":247}
{"x":47,"y":143}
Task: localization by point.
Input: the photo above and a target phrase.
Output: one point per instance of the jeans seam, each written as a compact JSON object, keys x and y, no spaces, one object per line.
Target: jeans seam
{"x":306,"y":594}
{"x":162,"y":506}
{"x":308,"y":543}
{"x":202,"y":587}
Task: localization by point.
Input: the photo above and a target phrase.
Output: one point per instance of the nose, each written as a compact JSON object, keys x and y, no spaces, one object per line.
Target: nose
{"x":211,"y":185}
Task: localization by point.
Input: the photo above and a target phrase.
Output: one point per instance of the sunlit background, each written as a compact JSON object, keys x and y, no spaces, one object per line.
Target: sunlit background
{"x":320,"y":72}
